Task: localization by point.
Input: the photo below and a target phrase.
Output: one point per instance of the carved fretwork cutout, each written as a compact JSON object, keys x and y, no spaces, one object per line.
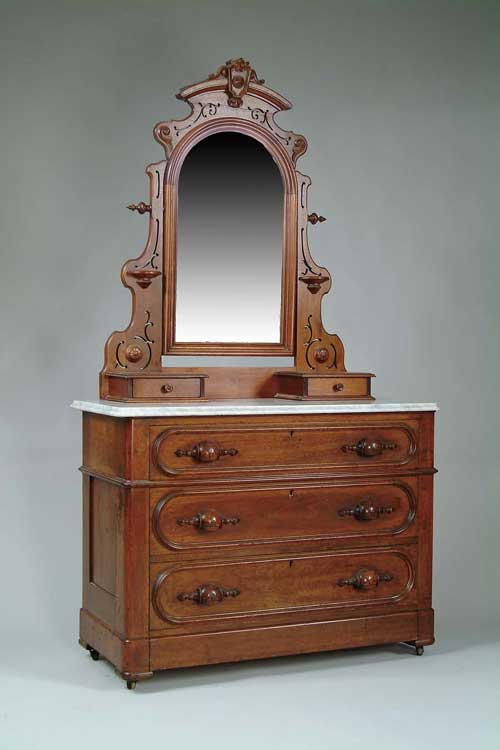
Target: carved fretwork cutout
{"x":231,"y":99}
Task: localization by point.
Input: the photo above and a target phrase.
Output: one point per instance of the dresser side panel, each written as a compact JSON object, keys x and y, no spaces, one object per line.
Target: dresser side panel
{"x":106,"y":445}
{"x":101,"y":504}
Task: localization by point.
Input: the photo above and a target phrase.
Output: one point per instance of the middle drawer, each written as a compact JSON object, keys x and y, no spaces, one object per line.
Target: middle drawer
{"x":195,"y":519}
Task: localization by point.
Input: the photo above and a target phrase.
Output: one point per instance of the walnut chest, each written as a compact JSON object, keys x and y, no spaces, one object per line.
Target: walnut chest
{"x":247,"y":529}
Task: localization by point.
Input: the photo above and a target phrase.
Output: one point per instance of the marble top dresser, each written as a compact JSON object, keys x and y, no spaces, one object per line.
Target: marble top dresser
{"x":230,"y":530}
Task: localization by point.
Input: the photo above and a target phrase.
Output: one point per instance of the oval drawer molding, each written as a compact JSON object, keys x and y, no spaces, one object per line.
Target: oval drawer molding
{"x":241,"y":516}
{"x":285,"y":584}
{"x":274,"y":449}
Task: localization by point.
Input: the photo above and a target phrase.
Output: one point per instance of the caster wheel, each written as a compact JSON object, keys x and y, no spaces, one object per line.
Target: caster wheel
{"x":420,"y":650}
{"x":131,"y":684}
{"x":94,"y":654}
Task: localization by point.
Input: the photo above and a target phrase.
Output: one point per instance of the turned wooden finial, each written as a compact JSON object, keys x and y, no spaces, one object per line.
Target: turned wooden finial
{"x":141,"y":207}
{"x":314,"y":218}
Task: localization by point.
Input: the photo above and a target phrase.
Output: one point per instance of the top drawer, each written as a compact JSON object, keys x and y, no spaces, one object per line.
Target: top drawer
{"x":228,"y":450}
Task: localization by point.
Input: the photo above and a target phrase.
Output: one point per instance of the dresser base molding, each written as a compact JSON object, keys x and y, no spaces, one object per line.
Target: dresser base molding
{"x":136,"y":660}
{"x":129,"y":657}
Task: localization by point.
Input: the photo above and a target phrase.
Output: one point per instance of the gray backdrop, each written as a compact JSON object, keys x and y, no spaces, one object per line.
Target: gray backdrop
{"x":400,"y":103}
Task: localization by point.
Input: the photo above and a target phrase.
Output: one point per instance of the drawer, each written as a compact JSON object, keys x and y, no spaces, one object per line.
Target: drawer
{"x":343,"y":385}
{"x":206,"y":451}
{"x":283,"y":585}
{"x":171,"y":387}
{"x":221,"y":518}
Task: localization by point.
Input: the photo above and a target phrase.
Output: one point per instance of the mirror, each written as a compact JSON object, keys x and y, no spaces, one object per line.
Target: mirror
{"x":229,"y":243}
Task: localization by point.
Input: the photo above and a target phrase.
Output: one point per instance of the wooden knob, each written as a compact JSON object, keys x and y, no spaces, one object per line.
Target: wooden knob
{"x":367,"y":448}
{"x":338,"y":387}
{"x":206,"y":452}
{"x":208,"y":594}
{"x":364,"y":579}
{"x":167,"y":388}
{"x":208,"y":520}
{"x":366,"y":511}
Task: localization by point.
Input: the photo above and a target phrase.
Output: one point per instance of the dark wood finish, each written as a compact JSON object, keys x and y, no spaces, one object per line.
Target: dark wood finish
{"x":304,"y":387}
{"x":175,"y":386}
{"x":264,"y":446}
{"x":232,"y":99}
{"x":292,"y":585}
{"x":213,"y":539}
{"x":289,"y":551}
{"x":227,"y":520}
{"x":299,"y":638}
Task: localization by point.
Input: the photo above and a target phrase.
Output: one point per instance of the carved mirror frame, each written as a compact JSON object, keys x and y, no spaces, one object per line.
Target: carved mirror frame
{"x":194,"y":133}
{"x":232,"y":99}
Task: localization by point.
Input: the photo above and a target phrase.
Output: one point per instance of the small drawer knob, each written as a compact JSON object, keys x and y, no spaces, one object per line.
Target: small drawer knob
{"x":167,"y":388}
{"x":338,"y":387}
{"x":208,"y":594}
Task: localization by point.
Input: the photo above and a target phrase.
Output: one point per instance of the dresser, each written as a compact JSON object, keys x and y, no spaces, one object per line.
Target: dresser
{"x":236,"y":512}
{"x":254,"y":528}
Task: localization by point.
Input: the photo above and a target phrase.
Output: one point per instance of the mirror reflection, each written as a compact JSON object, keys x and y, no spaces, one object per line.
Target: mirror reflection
{"x":229,"y":243}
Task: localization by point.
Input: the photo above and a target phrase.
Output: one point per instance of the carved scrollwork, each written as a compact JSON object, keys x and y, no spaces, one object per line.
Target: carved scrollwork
{"x":207,"y":110}
{"x":265,"y":117}
{"x":238,"y":74}
{"x":316,"y":350}
{"x":137,"y":349}
{"x":299,"y":147}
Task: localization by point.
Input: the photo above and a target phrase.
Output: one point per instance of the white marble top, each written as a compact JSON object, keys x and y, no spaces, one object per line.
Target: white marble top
{"x":251,"y":406}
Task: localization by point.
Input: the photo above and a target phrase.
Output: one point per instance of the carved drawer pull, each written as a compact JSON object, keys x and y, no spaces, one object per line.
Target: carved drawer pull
{"x":206,"y":452}
{"x":365,"y":579}
{"x":367,"y":448}
{"x":208,"y":593}
{"x":167,"y":388}
{"x":366,"y":511}
{"x":208,"y":520}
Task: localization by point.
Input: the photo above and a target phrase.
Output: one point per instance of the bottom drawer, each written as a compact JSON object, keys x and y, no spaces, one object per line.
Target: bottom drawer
{"x":282,"y":585}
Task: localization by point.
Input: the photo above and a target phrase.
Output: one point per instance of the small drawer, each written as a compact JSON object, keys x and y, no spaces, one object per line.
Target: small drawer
{"x":201,"y":519}
{"x":342,"y":387}
{"x":169,"y":388}
{"x":308,"y":386}
{"x":283,"y":585}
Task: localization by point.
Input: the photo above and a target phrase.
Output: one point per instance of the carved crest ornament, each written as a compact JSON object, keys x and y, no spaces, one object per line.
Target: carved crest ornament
{"x":235,"y":99}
